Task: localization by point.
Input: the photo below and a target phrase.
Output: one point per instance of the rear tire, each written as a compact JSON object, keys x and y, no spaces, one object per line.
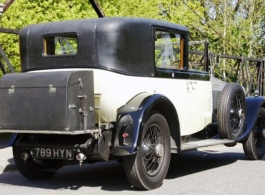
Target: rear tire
{"x":231,"y":112}
{"x":254,"y":145}
{"x":34,"y":169}
{"x":148,"y":168}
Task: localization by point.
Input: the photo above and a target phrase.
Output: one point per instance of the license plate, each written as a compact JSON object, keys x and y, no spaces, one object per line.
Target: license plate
{"x":53,"y":153}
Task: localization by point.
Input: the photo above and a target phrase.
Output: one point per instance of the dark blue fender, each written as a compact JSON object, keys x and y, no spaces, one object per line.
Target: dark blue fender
{"x":253,"y":105}
{"x":7,"y":139}
{"x":131,"y":119}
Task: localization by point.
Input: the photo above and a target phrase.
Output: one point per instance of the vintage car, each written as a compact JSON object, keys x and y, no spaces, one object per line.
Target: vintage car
{"x":119,"y":89}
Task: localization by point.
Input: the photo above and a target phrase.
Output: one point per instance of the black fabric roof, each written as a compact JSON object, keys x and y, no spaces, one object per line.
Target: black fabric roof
{"x":119,"y":44}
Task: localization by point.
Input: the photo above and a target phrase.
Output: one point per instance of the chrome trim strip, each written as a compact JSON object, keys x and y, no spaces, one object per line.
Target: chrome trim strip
{"x":74,"y":132}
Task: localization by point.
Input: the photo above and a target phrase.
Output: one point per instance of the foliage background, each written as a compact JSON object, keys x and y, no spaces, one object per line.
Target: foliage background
{"x":231,"y":26}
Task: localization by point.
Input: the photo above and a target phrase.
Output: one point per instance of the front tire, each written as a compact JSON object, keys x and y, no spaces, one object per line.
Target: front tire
{"x":148,"y":168}
{"x":34,"y":169}
{"x":254,"y":145}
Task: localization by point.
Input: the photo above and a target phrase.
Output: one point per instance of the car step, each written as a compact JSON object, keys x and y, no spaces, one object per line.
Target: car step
{"x":204,"y":143}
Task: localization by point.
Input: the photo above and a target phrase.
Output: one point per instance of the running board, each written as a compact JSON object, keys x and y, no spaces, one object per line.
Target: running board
{"x":204,"y":143}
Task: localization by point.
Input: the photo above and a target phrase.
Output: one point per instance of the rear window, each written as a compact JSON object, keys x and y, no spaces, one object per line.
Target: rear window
{"x":60,"y":45}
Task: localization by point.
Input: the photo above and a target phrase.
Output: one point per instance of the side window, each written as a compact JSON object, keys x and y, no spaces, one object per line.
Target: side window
{"x":60,"y":45}
{"x":168,"y":49}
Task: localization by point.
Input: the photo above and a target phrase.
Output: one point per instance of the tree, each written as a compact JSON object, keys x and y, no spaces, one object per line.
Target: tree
{"x":238,"y":24}
{"x":234,"y":27}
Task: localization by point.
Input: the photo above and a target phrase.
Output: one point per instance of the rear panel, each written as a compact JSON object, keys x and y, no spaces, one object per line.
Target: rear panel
{"x":47,"y":101}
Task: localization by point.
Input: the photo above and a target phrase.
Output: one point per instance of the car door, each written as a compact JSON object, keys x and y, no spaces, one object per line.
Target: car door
{"x":199,"y":105}
{"x":189,"y":90}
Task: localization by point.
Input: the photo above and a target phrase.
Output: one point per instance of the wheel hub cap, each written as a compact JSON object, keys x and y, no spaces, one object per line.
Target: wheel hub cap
{"x":159,"y":150}
{"x":241,"y":114}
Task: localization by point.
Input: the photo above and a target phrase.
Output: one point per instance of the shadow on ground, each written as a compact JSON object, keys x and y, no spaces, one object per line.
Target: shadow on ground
{"x":196,"y":161}
{"x":110,"y":176}
{"x":10,"y":166}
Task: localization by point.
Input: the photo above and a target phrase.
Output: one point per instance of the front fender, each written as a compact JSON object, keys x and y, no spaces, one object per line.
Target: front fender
{"x":131,"y":118}
{"x":253,"y":105}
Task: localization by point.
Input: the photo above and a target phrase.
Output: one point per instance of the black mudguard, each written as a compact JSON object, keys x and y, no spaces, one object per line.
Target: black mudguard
{"x":131,"y":118}
{"x":7,"y":139}
{"x":253,"y":105}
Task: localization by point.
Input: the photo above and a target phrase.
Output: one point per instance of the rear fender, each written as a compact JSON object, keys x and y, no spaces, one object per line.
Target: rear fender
{"x":131,"y":119}
{"x":7,"y":139}
{"x":253,"y":105}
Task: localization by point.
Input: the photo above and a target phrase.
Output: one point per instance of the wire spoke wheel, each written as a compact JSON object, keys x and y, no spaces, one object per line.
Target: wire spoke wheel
{"x":148,"y":168}
{"x":258,"y":134}
{"x":236,"y":113}
{"x":152,"y":146}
